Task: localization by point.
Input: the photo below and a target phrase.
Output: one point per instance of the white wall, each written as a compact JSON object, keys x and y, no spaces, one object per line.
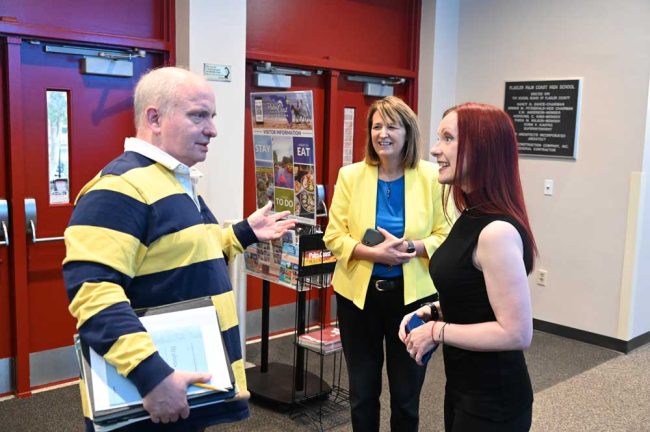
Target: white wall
{"x":214,"y":31}
{"x":641,"y":284}
{"x":581,"y":229}
{"x":425,"y":72}
{"x":438,"y":64}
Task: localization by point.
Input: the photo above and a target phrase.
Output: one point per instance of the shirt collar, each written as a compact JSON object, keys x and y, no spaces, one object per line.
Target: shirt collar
{"x":158,"y":155}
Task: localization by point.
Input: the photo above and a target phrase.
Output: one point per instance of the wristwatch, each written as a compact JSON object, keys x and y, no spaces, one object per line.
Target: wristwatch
{"x":410,"y":248}
{"x":435,"y":315}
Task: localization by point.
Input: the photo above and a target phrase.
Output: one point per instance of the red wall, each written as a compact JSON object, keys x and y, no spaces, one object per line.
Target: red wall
{"x":147,"y":24}
{"x":379,"y":35}
{"x":118,"y":17}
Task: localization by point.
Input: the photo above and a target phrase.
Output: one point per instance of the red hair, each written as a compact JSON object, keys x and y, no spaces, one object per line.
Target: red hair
{"x":488,"y":161}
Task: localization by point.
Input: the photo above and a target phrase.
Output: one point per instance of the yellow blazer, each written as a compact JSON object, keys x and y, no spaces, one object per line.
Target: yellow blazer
{"x":353,"y":210}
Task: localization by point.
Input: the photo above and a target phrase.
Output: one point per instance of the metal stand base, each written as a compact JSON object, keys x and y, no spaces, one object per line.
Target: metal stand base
{"x":276,"y":385}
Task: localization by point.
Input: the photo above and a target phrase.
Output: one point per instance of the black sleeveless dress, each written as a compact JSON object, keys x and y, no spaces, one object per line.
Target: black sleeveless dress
{"x":493,"y":385}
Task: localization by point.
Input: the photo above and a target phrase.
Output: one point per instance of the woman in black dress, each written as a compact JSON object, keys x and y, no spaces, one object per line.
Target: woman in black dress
{"x":483,"y":317}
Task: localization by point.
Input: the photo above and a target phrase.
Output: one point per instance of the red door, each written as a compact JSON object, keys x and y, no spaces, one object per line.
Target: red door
{"x":97,"y":114}
{"x":349,"y":96}
{"x":6,"y":340}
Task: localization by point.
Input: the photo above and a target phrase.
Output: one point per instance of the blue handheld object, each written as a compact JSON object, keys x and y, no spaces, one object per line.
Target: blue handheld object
{"x":416,"y":322}
{"x":413,"y":323}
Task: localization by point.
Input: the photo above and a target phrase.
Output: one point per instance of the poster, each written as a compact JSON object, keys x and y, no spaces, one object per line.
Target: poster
{"x":283,"y":140}
{"x":545,"y":115}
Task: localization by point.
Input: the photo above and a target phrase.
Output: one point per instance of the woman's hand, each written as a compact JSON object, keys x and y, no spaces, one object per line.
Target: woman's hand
{"x":423,"y":312}
{"x":392,"y":251}
{"x":420,"y":341}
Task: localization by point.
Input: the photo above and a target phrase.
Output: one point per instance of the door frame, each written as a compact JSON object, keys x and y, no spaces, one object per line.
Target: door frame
{"x":18,"y":233}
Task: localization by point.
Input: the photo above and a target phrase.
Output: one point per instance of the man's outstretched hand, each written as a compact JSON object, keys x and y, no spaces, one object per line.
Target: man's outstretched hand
{"x":269,"y":226}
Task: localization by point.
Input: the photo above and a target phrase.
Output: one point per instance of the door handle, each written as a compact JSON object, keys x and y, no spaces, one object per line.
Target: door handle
{"x":4,"y":220}
{"x":30,"y":222}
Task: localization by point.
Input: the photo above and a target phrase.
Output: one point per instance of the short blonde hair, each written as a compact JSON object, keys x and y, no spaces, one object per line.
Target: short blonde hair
{"x":159,"y":87}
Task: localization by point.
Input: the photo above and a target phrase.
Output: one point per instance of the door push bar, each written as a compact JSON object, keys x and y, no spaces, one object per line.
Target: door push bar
{"x":4,"y":220}
{"x":30,"y":222}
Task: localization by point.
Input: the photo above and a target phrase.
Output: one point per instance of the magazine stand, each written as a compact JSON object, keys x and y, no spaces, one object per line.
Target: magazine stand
{"x":288,"y":386}
{"x":320,"y":345}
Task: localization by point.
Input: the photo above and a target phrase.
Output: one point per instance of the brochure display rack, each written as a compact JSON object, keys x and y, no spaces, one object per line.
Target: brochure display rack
{"x":319,"y":346}
{"x":291,"y":385}
{"x":285,"y":174}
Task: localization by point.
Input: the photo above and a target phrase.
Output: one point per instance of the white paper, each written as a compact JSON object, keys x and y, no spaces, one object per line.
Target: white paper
{"x":188,"y":340}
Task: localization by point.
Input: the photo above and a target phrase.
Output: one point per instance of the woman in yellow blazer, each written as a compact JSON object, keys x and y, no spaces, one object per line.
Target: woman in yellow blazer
{"x":396,"y":193}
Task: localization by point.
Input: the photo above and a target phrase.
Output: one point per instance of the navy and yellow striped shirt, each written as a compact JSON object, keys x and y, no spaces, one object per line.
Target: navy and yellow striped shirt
{"x":137,"y":240}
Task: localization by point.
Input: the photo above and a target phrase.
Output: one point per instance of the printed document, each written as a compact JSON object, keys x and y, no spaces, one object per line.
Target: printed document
{"x":188,"y":340}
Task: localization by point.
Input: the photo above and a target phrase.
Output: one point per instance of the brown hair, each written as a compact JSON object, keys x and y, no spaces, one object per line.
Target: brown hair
{"x":395,"y":110}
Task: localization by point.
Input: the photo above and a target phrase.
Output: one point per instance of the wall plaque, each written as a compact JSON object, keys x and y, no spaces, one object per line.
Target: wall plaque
{"x":545,"y":115}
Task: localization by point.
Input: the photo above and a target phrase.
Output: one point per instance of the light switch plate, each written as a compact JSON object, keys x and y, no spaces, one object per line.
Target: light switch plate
{"x":548,"y":187}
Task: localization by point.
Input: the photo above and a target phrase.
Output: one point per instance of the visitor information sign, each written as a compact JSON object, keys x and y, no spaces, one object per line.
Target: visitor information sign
{"x":285,"y":165}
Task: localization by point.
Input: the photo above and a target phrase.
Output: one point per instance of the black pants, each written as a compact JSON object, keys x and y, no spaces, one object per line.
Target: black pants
{"x":460,"y":421}
{"x":363,"y":333}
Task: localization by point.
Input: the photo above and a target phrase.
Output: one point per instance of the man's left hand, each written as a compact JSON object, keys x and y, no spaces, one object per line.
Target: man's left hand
{"x":269,"y":226}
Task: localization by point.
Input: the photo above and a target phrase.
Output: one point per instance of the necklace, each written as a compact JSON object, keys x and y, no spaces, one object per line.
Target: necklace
{"x":472,"y":197}
{"x":469,"y":209}
{"x":387,"y":191}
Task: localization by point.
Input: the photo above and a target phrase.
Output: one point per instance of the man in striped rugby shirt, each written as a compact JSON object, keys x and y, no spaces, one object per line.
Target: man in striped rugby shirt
{"x":140,"y":236}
